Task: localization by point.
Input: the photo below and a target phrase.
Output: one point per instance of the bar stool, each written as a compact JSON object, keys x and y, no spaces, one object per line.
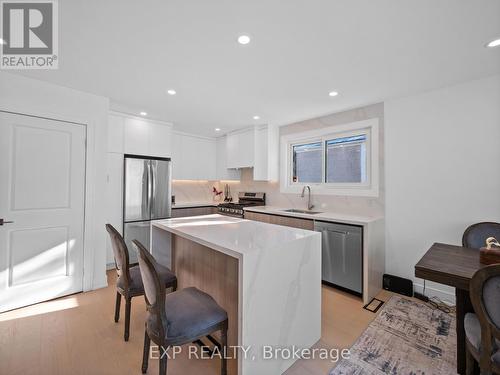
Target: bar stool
{"x":129,"y":283}
{"x":177,"y":318}
{"x":475,"y":236}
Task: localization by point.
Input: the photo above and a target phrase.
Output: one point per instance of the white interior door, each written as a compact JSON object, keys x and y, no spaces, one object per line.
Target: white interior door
{"x":42,"y":193}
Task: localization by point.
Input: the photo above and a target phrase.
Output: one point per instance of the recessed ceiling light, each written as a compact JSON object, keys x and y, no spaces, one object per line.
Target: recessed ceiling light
{"x":217,"y":129}
{"x":171,"y":92}
{"x":144,"y":113}
{"x":243,"y":39}
{"x":256,"y":117}
{"x":493,"y":43}
{"x":333,"y":93}
{"x":2,"y":41}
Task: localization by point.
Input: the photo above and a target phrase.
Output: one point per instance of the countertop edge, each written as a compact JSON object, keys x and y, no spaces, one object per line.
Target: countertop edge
{"x":198,"y":240}
{"x":318,"y":217}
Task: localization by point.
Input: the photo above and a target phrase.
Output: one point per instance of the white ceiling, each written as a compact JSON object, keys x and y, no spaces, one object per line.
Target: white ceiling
{"x":132,"y":51}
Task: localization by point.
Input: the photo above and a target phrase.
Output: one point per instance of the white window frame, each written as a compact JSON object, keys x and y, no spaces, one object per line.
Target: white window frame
{"x":370,"y":188}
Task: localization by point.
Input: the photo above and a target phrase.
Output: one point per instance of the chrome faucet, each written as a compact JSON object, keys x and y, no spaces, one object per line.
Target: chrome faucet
{"x":309,"y":204}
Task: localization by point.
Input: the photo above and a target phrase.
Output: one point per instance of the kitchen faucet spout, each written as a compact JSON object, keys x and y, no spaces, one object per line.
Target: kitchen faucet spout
{"x":309,"y":204}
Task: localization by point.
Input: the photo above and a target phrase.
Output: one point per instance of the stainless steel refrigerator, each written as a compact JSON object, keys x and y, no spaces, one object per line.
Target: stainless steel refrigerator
{"x":147,"y":191}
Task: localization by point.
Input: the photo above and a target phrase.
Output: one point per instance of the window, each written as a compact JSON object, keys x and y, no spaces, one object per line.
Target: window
{"x":346,"y":160}
{"x":339,"y":160}
{"x":307,"y":162}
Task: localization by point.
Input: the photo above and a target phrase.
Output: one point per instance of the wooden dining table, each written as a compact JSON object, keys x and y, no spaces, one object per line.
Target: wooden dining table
{"x":454,"y":266}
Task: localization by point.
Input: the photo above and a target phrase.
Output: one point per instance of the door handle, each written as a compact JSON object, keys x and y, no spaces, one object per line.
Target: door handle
{"x":3,"y":221}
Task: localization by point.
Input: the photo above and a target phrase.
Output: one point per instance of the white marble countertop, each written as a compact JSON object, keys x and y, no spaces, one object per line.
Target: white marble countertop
{"x":233,"y":236}
{"x":323,"y":216}
{"x":194,"y":204}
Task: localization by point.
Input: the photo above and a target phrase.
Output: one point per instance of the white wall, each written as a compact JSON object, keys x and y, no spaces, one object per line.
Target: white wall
{"x":442,"y":155}
{"x":25,"y":95}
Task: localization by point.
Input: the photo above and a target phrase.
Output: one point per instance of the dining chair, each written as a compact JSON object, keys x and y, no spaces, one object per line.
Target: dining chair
{"x":482,"y":328}
{"x":129,"y":282}
{"x":177,"y":318}
{"x":475,"y":236}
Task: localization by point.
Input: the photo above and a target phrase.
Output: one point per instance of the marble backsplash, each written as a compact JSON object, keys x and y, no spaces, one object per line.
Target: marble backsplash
{"x":201,"y":191}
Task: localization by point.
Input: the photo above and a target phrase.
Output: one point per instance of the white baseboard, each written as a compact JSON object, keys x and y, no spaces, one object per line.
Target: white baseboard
{"x":444,"y":296}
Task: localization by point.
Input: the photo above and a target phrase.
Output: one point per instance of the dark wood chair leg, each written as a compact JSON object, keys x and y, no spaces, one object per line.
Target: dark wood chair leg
{"x":117,"y":306}
{"x":145,"y":354}
{"x":223,"y":339}
{"x":128,"y":304}
{"x":163,"y":362}
{"x":469,"y":361}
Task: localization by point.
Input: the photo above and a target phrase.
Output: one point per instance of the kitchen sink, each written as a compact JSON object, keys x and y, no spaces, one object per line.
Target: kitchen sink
{"x":302,"y":211}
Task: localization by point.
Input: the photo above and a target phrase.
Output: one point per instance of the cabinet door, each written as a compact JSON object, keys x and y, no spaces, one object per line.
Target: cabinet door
{"x":232,"y":152}
{"x":115,"y":133}
{"x":160,"y":140}
{"x":260,"y":169}
{"x":206,"y":163}
{"x":114,"y":197}
{"x":222,"y":171}
{"x":246,"y":141}
{"x":177,"y":162}
{"x":136,"y":136}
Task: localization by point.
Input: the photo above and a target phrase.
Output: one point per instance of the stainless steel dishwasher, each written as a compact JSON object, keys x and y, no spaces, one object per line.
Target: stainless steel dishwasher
{"x":342,"y":255}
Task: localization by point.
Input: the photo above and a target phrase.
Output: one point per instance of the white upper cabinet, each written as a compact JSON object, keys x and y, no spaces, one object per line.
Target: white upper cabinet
{"x":222,"y":171}
{"x":136,"y":136}
{"x":160,"y":140}
{"x":193,"y":158}
{"x":266,"y":151}
{"x":133,"y":135}
{"x":115,"y":133}
{"x":240,"y":149}
{"x":256,"y":148}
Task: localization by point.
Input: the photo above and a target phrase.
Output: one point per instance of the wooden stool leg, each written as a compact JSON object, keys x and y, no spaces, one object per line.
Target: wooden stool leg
{"x":223,"y":339}
{"x":469,"y":361}
{"x":163,"y":362}
{"x":128,"y":304}
{"x":117,"y":306}
{"x":145,"y":354}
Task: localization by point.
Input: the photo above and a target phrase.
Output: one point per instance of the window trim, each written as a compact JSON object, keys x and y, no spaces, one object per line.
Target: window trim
{"x":368,"y":189}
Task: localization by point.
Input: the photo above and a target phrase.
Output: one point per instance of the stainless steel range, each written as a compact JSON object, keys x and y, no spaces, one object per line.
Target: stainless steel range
{"x":245,"y":199}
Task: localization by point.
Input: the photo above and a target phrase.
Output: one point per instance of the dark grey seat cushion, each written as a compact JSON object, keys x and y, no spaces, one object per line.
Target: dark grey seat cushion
{"x":473,"y":331}
{"x":136,"y":286}
{"x":190,"y":312}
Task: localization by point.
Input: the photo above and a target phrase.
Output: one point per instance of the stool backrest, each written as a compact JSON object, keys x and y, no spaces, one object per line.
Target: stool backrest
{"x":485,"y":298}
{"x":120,"y":252}
{"x":475,"y":236}
{"x":154,"y":293}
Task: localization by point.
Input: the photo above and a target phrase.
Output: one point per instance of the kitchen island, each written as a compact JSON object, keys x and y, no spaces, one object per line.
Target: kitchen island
{"x":267,"y":277}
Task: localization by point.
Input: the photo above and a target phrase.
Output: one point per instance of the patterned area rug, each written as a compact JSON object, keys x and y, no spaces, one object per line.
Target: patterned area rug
{"x":406,"y":338}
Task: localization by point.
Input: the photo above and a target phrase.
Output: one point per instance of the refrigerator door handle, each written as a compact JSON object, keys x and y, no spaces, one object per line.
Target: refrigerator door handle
{"x":150,"y":189}
{"x":153,"y":186}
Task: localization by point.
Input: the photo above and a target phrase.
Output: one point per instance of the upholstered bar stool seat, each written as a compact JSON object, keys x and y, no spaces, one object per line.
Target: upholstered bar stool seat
{"x":191,"y":313}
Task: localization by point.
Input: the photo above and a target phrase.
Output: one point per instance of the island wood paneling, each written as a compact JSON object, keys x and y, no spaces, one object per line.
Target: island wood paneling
{"x":214,"y":273}
{"x":280,"y":220}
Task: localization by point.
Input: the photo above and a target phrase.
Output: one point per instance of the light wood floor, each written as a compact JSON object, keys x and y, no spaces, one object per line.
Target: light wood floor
{"x":77,"y":335}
